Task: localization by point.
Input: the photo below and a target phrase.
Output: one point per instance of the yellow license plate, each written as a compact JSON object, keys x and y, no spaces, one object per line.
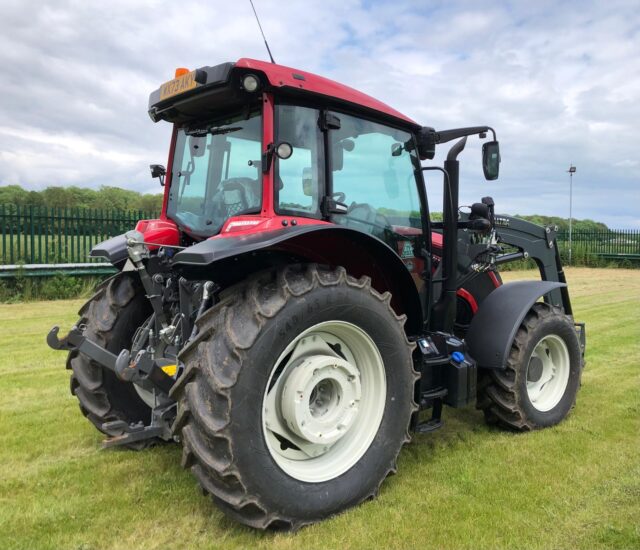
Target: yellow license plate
{"x":178,"y":85}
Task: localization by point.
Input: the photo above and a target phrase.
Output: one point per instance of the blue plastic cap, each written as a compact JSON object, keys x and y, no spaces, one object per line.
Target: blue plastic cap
{"x":457,"y":356}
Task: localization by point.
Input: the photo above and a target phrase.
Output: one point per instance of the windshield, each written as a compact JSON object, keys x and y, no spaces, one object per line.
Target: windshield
{"x":216,"y":173}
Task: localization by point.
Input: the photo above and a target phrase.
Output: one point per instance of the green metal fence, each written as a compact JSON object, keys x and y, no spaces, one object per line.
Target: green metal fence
{"x":623,"y":244}
{"x":40,"y":235}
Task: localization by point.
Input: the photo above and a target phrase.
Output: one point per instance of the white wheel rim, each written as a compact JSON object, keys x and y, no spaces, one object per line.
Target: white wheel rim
{"x":326,"y":400}
{"x":548,"y":372}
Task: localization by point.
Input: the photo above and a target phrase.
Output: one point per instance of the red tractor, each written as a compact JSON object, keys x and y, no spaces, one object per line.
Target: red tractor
{"x":295,"y":308}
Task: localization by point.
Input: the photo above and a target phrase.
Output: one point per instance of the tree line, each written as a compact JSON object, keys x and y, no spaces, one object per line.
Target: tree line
{"x":108,"y":198}
{"x":115,"y":198}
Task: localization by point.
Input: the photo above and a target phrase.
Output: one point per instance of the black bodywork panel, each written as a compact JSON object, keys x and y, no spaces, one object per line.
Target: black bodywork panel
{"x":494,"y":326}
{"x":114,"y":250}
{"x":184,"y":106}
{"x":225,"y":259}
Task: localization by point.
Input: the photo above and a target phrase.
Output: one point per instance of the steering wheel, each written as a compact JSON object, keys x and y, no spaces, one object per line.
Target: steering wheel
{"x":377,"y":223}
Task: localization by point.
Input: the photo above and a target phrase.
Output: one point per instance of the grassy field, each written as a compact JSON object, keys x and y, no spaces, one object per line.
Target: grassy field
{"x":465,"y":486}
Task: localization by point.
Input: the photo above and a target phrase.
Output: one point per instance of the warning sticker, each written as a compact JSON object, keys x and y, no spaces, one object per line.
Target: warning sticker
{"x":407,"y":250}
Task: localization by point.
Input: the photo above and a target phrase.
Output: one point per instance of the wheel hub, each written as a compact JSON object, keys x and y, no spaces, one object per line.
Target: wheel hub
{"x":324,"y":402}
{"x":535,"y":369}
{"x":548,"y":372}
{"x":320,"y":398}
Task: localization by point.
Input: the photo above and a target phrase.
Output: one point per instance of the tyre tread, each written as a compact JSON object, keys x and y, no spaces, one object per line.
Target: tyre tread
{"x":99,"y":315}
{"x":497,"y":390}
{"x":232,"y":326}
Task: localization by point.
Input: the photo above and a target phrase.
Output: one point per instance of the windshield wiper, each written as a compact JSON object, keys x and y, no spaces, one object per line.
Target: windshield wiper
{"x":201,"y":132}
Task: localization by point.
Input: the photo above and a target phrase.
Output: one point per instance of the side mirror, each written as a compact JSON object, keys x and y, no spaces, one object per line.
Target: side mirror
{"x":396,"y":149}
{"x":491,"y":160}
{"x":284,"y":150}
{"x":158,"y":171}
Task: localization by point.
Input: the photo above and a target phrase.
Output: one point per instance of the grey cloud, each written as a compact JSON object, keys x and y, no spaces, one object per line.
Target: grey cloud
{"x":560,"y":82}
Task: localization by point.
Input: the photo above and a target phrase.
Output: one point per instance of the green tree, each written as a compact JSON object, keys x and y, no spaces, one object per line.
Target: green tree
{"x":115,"y":198}
{"x":58,"y":197}
{"x":13,"y":194}
{"x":149,"y":203}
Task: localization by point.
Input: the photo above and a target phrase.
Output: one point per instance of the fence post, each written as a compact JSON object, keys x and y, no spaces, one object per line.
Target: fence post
{"x":3,"y":221}
{"x":33,"y":237}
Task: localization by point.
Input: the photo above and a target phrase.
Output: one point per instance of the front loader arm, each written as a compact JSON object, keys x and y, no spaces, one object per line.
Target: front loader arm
{"x":539,"y":243}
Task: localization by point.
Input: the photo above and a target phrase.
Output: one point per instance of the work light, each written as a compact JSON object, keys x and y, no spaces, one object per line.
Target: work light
{"x":250,"y":83}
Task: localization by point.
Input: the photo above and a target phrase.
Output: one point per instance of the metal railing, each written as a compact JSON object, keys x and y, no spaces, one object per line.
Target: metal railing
{"x":41,"y":235}
{"x":607,"y":244}
{"x":56,"y":236}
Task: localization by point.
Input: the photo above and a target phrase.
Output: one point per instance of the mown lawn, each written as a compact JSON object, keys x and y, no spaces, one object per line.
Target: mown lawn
{"x":465,"y":486}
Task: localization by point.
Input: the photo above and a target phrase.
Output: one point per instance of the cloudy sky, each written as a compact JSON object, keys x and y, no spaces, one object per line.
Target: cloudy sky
{"x":559,"y":81}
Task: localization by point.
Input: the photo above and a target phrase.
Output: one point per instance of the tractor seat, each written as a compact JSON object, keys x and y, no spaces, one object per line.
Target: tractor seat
{"x":240,"y":195}
{"x":365,"y":218}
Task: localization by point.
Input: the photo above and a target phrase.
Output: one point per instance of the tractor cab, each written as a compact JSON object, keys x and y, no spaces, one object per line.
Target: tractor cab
{"x":258,"y":147}
{"x":261,"y":140}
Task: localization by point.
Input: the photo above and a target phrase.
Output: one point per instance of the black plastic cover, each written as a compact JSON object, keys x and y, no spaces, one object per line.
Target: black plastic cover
{"x":171,"y":108}
{"x":114,"y":250}
{"x":494,"y":326}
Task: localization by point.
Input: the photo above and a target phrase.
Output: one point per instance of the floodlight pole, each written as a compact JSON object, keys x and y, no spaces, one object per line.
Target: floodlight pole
{"x":572,"y":170}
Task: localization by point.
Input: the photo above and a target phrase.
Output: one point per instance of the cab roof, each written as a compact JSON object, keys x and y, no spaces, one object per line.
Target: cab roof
{"x":287,"y":77}
{"x":182,"y":104}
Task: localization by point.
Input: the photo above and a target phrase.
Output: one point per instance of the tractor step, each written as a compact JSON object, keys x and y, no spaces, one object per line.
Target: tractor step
{"x":435,"y":421}
{"x":430,"y":425}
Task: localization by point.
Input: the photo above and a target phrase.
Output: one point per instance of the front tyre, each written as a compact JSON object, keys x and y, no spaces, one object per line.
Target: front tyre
{"x":538,"y":388}
{"x":297,"y":396}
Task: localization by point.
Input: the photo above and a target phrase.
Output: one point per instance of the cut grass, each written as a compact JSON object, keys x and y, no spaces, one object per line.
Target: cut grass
{"x":465,"y":486}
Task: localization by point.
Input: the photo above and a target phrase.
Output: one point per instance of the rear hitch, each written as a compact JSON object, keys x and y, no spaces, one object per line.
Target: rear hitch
{"x":122,"y":433}
{"x":67,"y":343}
{"x":143,"y":370}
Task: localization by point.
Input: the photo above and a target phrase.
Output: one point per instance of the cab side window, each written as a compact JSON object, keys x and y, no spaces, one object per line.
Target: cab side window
{"x":374,"y":175}
{"x":298,"y":178}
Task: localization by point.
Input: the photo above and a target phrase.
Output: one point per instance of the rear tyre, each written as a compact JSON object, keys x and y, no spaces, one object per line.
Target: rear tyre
{"x":538,"y":388}
{"x":111,"y":318}
{"x":297,"y":396}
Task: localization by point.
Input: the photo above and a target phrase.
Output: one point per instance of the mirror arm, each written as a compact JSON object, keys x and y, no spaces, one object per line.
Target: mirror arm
{"x":448,"y":135}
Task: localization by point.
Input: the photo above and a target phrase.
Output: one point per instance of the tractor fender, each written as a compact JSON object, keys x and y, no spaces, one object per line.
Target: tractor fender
{"x":494,"y":326}
{"x":226,"y":259}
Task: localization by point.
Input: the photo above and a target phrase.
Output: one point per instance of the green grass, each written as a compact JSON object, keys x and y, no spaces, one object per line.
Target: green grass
{"x":465,"y":486}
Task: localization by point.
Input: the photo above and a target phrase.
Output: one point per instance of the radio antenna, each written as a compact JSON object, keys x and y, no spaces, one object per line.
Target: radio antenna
{"x":262,"y":32}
